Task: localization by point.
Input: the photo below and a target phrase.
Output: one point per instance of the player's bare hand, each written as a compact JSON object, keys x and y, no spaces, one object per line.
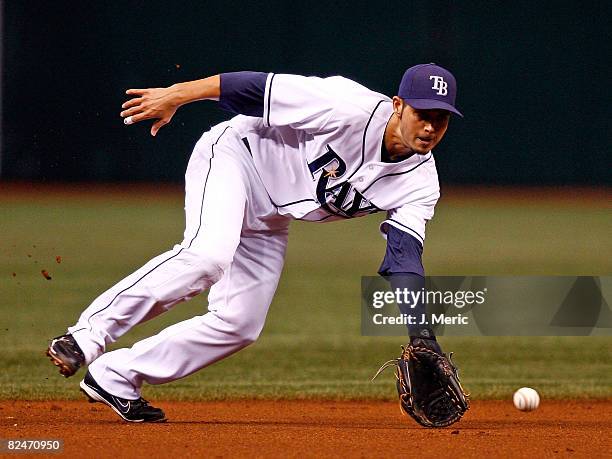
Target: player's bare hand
{"x":158,"y":104}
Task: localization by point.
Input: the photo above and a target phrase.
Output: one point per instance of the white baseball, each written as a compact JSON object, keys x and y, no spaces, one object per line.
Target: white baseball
{"x":526,"y":399}
{"x":128,"y":120}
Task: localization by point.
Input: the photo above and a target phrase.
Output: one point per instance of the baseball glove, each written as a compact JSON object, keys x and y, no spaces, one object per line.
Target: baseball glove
{"x":428,"y":384}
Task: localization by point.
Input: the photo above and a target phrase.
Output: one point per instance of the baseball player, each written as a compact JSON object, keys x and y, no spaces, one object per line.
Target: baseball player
{"x":307,"y":148}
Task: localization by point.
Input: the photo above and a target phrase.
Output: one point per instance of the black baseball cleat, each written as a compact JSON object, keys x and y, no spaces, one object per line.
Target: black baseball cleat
{"x":66,"y":354}
{"x":130,"y":410}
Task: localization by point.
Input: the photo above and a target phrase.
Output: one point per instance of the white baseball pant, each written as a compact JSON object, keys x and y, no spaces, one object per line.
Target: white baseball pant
{"x":234,"y":243}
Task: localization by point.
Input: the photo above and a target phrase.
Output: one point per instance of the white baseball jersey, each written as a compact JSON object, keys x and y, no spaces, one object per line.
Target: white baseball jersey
{"x":317,"y":149}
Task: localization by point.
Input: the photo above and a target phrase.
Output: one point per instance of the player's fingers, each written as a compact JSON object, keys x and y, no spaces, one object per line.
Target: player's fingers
{"x":136,"y":92}
{"x":131,"y":111}
{"x":137,"y":118}
{"x":132,"y":102}
{"x":158,"y":125}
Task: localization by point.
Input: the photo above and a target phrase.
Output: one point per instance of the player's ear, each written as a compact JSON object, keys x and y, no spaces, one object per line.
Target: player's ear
{"x":398,"y":105}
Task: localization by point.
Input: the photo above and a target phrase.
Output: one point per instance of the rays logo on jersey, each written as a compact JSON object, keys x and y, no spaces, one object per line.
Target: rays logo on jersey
{"x":336,"y":196}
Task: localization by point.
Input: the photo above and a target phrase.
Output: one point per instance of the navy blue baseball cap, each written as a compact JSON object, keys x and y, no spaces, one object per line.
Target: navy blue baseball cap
{"x":428,"y":86}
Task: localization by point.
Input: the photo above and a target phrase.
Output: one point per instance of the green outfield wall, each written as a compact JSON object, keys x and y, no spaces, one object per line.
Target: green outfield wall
{"x":533,"y":79}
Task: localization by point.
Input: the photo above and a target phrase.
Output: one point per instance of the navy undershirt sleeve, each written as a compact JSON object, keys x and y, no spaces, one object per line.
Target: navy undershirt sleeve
{"x":403,"y":254}
{"x":243,"y":92}
{"x":403,"y":268}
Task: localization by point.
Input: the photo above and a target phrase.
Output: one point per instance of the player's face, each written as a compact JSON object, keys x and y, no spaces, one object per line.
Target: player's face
{"x":422,"y":130}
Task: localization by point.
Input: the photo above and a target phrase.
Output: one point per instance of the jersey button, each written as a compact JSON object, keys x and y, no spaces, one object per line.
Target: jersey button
{"x":371,"y":167}
{"x":361,"y":179}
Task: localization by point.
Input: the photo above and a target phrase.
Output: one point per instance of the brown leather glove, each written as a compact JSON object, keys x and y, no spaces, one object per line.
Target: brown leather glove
{"x":428,"y":384}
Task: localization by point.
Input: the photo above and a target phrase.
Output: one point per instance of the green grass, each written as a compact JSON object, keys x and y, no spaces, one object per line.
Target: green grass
{"x":311,"y":346}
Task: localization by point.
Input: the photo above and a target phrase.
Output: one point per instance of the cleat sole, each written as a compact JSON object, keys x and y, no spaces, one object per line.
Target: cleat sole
{"x":64,"y":369}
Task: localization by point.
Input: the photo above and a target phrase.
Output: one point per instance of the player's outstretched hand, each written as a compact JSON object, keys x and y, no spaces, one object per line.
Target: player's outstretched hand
{"x":153,"y":103}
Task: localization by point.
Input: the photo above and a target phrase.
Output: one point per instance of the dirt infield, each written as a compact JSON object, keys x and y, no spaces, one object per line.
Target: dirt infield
{"x":315,"y":429}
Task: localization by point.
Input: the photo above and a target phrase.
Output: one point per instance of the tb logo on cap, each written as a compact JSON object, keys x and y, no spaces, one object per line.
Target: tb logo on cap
{"x":439,"y":85}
